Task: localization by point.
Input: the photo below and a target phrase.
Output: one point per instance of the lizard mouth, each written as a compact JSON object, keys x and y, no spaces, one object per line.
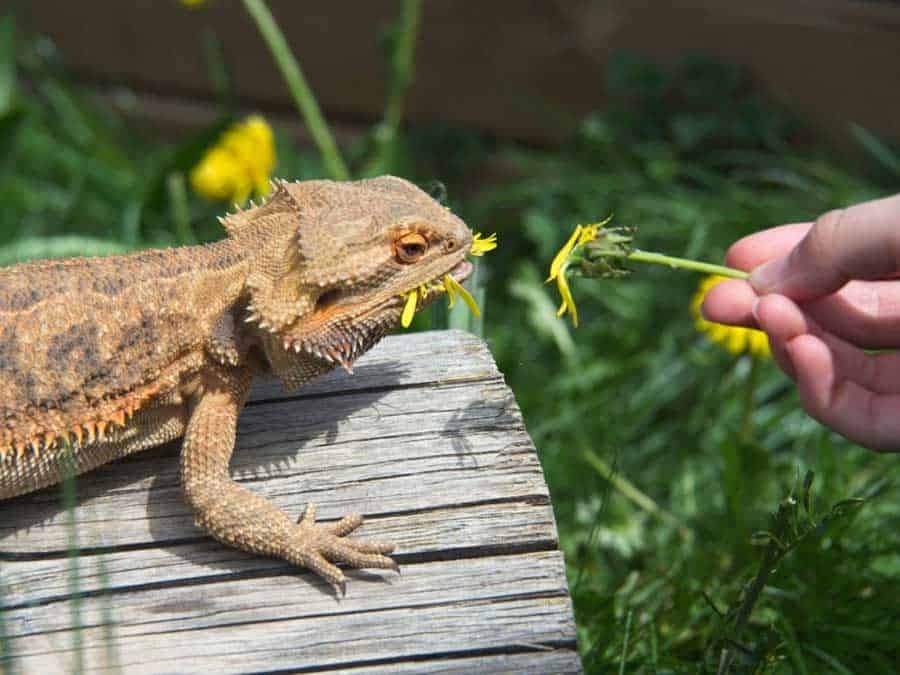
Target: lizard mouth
{"x":436,"y":287}
{"x":339,"y":339}
{"x":419,"y":296}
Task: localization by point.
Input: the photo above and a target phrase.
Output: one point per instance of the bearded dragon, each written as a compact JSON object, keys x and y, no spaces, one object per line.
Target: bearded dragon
{"x":104,"y":357}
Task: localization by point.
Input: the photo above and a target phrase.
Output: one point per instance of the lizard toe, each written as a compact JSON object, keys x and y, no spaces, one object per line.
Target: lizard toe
{"x":344,"y":551}
{"x":318,"y":546}
{"x":345,"y":525}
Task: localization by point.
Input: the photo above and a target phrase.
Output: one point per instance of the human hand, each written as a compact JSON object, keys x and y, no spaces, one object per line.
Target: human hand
{"x":824,"y":292}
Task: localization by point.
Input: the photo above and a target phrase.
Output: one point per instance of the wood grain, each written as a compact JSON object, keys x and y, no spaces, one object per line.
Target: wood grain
{"x":425,"y":440}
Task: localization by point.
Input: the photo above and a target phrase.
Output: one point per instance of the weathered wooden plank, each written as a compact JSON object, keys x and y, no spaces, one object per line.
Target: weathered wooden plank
{"x":556,"y":661}
{"x":435,"y":456}
{"x":485,"y":530}
{"x":210,"y":601}
{"x":459,"y":606}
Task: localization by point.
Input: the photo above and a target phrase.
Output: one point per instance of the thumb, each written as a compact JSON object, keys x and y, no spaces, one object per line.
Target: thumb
{"x":860,"y":242}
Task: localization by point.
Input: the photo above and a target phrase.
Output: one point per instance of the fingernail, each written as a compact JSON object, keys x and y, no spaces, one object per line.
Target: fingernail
{"x":767,"y":277}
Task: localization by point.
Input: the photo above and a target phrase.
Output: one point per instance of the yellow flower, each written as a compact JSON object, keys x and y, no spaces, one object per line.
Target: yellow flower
{"x":239,"y":165}
{"x":735,"y":339}
{"x":452,"y":288}
{"x":582,"y":235}
{"x":192,"y":4}
{"x":481,"y":246}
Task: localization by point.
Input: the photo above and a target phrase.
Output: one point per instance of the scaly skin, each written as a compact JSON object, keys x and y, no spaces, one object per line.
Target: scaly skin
{"x":103,"y":357}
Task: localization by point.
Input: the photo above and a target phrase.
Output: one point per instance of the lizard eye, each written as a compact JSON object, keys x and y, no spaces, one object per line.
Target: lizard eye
{"x":410,"y":247}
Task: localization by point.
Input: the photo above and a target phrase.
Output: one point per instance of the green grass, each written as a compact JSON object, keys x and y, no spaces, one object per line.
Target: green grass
{"x":669,"y":461}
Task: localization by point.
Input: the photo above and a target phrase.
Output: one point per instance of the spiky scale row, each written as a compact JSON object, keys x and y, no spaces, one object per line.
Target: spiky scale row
{"x":78,"y":436}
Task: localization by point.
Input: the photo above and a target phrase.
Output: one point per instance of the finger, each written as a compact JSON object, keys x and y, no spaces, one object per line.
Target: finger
{"x":839,"y":385}
{"x":865,"y":313}
{"x":860,"y":242}
{"x":783,"y":320}
{"x":730,"y":302}
{"x":861,"y":415}
{"x":762,"y":246}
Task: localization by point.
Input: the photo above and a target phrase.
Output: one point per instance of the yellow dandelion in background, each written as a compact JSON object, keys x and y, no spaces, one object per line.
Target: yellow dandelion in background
{"x":239,"y":165}
{"x":735,"y":339}
{"x":192,"y":4}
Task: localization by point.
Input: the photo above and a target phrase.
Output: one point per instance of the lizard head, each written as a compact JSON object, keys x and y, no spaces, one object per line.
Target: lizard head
{"x":337,"y":260}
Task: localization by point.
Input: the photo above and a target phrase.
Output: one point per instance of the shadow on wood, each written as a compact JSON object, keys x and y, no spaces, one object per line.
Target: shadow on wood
{"x":426,"y":441}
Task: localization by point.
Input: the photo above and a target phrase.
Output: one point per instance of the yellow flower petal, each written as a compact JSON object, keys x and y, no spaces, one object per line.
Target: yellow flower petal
{"x":451,"y":291}
{"x":464,"y":294}
{"x":563,"y":254}
{"x":568,"y":302}
{"x":481,"y":246}
{"x":409,"y":310}
{"x":588,"y":233}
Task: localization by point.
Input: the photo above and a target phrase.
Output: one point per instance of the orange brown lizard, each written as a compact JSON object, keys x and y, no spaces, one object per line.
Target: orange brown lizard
{"x":104,"y":357}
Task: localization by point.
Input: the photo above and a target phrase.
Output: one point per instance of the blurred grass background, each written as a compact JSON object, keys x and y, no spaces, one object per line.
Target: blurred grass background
{"x":665,"y":455}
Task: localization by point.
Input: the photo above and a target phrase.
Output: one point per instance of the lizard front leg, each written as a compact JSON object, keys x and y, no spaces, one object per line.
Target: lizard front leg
{"x":236,"y":516}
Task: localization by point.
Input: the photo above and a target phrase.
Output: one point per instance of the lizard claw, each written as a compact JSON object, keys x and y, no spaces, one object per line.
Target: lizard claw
{"x":317,"y":547}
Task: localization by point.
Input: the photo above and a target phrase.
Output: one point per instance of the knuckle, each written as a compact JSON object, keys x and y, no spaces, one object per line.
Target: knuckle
{"x":823,"y":237}
{"x":822,"y":248}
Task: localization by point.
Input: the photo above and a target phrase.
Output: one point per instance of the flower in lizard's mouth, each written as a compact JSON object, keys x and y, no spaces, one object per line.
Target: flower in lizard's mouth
{"x":450,"y":283}
{"x":336,"y":336}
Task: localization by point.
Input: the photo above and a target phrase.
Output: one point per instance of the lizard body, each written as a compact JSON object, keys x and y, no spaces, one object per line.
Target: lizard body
{"x":103,"y":357}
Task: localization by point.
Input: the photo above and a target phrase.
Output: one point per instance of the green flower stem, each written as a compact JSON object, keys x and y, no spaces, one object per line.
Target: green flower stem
{"x":682,"y":263}
{"x":400,"y":64}
{"x":179,"y":208}
{"x":300,"y":91}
